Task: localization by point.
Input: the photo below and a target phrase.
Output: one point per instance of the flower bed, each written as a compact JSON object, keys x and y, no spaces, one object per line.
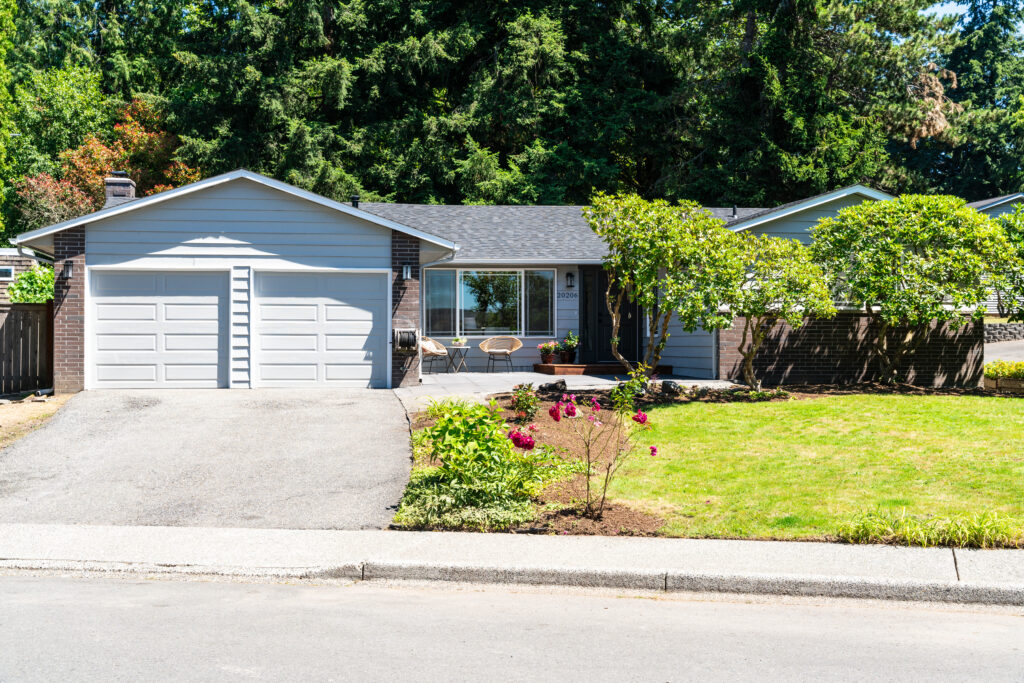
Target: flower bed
{"x":1005,"y":376}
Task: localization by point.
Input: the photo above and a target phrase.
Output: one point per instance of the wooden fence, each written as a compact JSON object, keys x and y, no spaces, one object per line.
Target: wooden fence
{"x":26,"y":347}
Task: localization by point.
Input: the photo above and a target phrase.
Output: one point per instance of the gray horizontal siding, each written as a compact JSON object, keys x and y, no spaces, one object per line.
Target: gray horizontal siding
{"x":691,"y":354}
{"x":798,"y":226}
{"x":240,"y":223}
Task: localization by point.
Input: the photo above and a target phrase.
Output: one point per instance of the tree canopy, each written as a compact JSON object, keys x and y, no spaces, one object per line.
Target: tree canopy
{"x":525,"y":101}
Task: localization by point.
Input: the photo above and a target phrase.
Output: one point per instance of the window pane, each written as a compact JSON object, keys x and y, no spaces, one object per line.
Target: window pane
{"x":439,"y":289}
{"x":490,"y":302}
{"x":540,"y":303}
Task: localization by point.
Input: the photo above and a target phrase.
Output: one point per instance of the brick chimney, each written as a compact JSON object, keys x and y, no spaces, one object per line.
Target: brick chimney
{"x":119,"y":189}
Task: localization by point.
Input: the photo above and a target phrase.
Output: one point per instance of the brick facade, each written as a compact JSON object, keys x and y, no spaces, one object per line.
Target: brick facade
{"x":69,"y":311}
{"x":838,"y":351}
{"x":18,"y":263}
{"x":405,"y":306}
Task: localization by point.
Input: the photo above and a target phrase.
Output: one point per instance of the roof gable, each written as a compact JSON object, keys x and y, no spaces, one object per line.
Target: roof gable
{"x":992,"y":202}
{"x":784,"y":210}
{"x":39,"y":237}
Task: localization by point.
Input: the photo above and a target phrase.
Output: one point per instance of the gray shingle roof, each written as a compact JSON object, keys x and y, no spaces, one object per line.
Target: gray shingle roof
{"x":509,"y":233}
{"x":982,"y":203}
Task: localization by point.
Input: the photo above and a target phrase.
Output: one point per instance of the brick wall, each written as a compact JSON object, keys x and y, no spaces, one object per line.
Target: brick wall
{"x":997,"y":332}
{"x":838,"y":351}
{"x":405,"y":305}
{"x":19,"y":263}
{"x":69,"y":311}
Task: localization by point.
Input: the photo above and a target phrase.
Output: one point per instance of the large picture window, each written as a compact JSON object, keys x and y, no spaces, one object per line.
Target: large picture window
{"x":482,"y":303}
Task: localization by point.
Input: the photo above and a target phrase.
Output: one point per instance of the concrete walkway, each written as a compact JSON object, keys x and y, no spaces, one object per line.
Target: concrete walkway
{"x":476,"y":386}
{"x":1009,"y":350}
{"x":661,"y":564}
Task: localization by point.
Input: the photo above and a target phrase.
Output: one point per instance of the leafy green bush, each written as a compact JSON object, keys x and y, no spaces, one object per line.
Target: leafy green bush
{"x":481,"y":481}
{"x":983,"y":530}
{"x":525,"y":402}
{"x":34,"y":286}
{"x":1004,"y":369}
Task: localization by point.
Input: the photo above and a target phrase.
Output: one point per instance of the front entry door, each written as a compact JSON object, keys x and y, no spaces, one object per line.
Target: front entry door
{"x":596,"y":321}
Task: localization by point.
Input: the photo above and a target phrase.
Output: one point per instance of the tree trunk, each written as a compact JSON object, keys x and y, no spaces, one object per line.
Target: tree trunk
{"x":754,"y":334}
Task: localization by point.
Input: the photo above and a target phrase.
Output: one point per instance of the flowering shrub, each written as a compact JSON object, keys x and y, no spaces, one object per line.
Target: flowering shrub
{"x":606,"y":444}
{"x":1004,"y":369}
{"x":548,"y":348}
{"x":524,"y":402}
{"x":570,"y":342}
{"x":522,"y":440}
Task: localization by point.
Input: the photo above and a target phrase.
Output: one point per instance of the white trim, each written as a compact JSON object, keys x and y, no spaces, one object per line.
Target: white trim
{"x":7,"y":278}
{"x":523,"y":261}
{"x":389,"y":340}
{"x":1010,"y":198}
{"x":810,"y":204}
{"x":522,"y":301}
{"x":240,"y":174}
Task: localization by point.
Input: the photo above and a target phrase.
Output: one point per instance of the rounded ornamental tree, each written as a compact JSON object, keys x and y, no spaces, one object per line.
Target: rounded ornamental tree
{"x":909,"y":262}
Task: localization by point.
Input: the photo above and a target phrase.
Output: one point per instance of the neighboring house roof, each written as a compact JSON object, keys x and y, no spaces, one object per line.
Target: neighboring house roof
{"x":512,"y":233}
{"x":767,"y":215}
{"x":38,"y":235}
{"x":983,"y":204}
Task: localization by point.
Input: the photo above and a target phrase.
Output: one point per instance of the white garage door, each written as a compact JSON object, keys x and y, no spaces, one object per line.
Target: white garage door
{"x":320,"y":328}
{"x":158,"y":329}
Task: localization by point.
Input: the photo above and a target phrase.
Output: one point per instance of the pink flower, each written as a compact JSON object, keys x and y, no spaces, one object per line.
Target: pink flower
{"x":533,"y":427}
{"x":522,"y":440}
{"x":640,"y":418}
{"x":654,"y":451}
{"x":594,"y":405}
{"x":555,"y":412}
{"x":570,"y":410}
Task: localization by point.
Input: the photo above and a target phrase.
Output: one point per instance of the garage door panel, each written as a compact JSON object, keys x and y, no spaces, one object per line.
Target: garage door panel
{"x":321,"y":328}
{"x":125,"y":311}
{"x":126,"y":373}
{"x":190,"y":312}
{"x":152,"y":329}
{"x":126,"y":342}
{"x":288,"y":312}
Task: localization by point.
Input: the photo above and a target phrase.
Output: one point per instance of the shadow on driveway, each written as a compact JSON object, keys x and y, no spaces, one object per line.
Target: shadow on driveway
{"x":282,"y":458}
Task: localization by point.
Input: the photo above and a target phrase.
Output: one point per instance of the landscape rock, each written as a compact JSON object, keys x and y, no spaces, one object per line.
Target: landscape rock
{"x":557,"y":385}
{"x":671,"y":388}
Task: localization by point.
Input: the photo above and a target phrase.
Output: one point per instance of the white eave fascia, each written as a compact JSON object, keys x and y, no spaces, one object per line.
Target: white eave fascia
{"x":862,"y":190}
{"x":240,"y":174}
{"x":527,"y":262}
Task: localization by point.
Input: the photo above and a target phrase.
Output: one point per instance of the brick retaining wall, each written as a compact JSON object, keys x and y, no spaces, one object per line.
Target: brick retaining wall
{"x":1004,"y":332}
{"x":838,"y":351}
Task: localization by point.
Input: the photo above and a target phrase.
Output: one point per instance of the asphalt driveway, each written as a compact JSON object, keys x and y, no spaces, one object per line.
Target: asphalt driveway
{"x":283,"y":458}
{"x":1008,"y":350}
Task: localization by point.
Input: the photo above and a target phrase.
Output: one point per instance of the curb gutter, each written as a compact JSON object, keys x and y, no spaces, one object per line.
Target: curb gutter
{"x":666,"y":581}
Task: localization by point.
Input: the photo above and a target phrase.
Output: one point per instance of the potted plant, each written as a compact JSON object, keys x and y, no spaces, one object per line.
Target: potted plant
{"x":547,"y":351}
{"x":459,"y":341}
{"x":567,"y":347}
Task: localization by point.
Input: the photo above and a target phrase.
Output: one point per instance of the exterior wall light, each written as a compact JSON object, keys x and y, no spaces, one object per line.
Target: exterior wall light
{"x":570,"y":280}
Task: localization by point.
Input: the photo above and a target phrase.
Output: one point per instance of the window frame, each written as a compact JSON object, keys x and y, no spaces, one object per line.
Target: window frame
{"x":520,"y":331}
{"x":6,"y":278}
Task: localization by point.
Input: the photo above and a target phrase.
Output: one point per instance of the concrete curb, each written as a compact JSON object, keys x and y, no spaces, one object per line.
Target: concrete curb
{"x":663,"y":581}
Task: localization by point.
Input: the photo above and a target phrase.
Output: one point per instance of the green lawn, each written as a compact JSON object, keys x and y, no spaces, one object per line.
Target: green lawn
{"x":796,"y":469}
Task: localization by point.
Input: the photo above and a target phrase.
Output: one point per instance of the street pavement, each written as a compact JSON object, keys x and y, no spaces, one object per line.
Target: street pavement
{"x":83,"y":629}
{"x":1009,"y":350}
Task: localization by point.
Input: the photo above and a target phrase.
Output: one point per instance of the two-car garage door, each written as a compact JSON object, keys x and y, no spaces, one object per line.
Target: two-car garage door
{"x":171,"y":329}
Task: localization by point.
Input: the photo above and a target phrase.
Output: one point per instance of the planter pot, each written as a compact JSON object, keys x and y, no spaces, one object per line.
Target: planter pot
{"x":568,"y":356}
{"x":547,"y":358}
{"x":991,"y":383}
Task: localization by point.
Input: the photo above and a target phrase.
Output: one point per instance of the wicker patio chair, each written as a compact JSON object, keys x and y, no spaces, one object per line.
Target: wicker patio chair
{"x":432,"y":351}
{"x":500,"y":347}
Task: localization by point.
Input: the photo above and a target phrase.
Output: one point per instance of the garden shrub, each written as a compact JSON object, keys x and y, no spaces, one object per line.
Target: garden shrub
{"x":34,"y":286}
{"x":983,"y":530}
{"x":525,"y":402}
{"x":1004,"y":369}
{"x":481,"y":480}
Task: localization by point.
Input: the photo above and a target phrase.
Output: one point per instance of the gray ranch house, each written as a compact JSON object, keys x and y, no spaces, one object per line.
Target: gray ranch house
{"x":243,"y":281}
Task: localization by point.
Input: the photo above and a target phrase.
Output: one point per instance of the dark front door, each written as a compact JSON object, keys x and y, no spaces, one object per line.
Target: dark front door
{"x":596,"y":321}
